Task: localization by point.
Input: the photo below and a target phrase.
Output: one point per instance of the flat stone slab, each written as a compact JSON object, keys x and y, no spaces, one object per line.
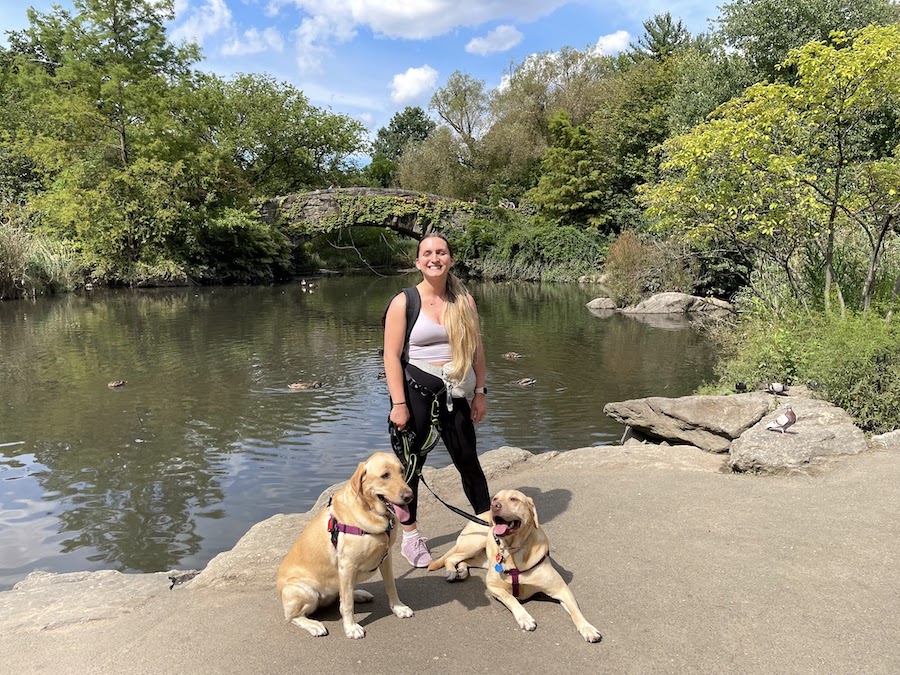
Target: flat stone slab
{"x":707,"y":422}
{"x":678,"y":303}
{"x":47,"y":601}
{"x":822,"y":432}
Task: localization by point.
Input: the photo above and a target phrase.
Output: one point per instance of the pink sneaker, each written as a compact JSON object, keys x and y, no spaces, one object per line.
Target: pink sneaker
{"x":415,"y":552}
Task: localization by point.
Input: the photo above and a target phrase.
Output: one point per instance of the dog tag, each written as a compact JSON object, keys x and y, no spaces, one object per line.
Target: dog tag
{"x":498,"y":567}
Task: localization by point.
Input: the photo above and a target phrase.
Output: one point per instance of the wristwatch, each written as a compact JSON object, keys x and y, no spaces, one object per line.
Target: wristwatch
{"x":481,"y":390}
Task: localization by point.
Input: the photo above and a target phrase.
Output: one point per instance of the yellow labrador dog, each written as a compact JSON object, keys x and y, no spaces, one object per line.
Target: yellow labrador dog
{"x":345,"y":544}
{"x":517,"y":554}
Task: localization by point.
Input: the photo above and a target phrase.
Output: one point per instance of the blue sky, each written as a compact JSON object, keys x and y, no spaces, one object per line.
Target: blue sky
{"x":371,"y":58}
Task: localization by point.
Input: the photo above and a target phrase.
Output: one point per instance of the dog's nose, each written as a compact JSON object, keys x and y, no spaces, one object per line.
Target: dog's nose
{"x":495,"y":506}
{"x":407,"y":496}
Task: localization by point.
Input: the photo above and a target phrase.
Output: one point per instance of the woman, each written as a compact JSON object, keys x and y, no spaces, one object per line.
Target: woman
{"x":445,"y":366}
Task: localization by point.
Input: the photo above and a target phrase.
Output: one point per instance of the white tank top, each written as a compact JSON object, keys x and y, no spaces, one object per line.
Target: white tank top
{"x":428,"y":341}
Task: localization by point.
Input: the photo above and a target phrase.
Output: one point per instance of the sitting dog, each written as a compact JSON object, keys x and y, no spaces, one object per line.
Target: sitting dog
{"x":517,"y":554}
{"x":345,"y":544}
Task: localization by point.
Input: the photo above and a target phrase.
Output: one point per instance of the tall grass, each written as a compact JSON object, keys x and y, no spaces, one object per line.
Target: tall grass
{"x":33,"y":265}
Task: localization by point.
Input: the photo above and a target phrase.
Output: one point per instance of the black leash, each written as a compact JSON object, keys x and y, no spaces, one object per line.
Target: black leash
{"x":474,"y":519}
{"x":414,"y":461}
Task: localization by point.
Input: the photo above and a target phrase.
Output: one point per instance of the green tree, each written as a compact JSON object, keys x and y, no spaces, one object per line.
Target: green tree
{"x":788,"y":171}
{"x":411,"y":125}
{"x":278,"y":141}
{"x":662,"y":37}
{"x":705,"y":79}
{"x":464,"y":104}
{"x":570,"y":186}
{"x":765,"y":30}
{"x":99,"y":91}
{"x":633,"y":120}
{"x":436,"y":165}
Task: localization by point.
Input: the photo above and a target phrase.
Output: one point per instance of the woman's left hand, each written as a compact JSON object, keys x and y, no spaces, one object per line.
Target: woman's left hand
{"x":479,"y":407}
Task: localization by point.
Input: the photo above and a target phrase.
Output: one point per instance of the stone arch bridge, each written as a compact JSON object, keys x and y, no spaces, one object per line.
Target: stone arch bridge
{"x":309,"y":214}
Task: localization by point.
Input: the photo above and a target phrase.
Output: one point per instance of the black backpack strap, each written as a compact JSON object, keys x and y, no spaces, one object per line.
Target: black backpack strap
{"x":413,"y":307}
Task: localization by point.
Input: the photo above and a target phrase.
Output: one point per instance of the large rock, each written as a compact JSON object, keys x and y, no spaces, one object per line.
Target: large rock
{"x":822,"y":432}
{"x":46,"y":601}
{"x":678,"y":303}
{"x":602,"y":304}
{"x":889,"y":441}
{"x":707,"y":422}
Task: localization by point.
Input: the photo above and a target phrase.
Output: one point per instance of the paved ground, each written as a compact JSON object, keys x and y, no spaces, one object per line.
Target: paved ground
{"x":681,"y":567}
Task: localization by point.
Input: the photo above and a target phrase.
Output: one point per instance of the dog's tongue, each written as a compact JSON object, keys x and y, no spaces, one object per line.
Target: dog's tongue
{"x":500,"y":530}
{"x":401,"y":512}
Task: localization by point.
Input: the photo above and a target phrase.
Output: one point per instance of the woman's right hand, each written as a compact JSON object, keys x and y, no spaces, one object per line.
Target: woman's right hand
{"x":399,"y":415}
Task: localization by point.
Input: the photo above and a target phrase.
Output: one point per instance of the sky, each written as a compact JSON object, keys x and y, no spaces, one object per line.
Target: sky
{"x":369,"y":59}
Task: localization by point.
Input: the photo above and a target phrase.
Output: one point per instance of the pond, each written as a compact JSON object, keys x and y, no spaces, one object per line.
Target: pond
{"x":206,"y":439}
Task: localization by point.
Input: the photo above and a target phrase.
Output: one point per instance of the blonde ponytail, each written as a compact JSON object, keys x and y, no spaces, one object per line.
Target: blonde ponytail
{"x":462,"y":328}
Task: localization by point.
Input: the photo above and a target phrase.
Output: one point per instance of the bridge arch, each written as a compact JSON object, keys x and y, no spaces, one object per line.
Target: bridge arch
{"x":309,"y":214}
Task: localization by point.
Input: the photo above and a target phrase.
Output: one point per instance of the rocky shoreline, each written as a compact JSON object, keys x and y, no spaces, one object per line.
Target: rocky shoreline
{"x":735,"y":426}
{"x":683,"y":565}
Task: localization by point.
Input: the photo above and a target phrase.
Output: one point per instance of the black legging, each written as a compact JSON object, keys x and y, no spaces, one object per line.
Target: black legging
{"x":457,"y":432}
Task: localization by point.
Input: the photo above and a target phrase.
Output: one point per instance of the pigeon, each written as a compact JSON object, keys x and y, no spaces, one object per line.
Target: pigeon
{"x":783,"y":422}
{"x":776,"y":388}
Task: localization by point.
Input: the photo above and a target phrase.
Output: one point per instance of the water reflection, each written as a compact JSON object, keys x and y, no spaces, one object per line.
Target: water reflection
{"x":207,"y":439}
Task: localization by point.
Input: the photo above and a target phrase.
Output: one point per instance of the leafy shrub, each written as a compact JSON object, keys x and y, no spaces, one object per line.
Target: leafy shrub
{"x":624,"y":273}
{"x":511,"y":246}
{"x":856,"y":361}
{"x":853,"y":362}
{"x":31,"y":264}
{"x":235,"y":246}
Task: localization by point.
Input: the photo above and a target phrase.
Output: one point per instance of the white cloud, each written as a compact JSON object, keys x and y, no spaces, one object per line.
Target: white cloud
{"x":254,"y":41}
{"x":325,"y":95}
{"x":424,"y":18}
{"x":328,"y":23}
{"x":199,"y":23}
{"x":613,"y":43}
{"x":413,"y":84}
{"x":498,"y":40}
{"x":368,"y":119}
{"x":314,"y":37}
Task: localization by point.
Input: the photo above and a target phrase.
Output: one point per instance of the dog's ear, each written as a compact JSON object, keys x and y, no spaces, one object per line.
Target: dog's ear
{"x":358,"y":478}
{"x":534,"y":518}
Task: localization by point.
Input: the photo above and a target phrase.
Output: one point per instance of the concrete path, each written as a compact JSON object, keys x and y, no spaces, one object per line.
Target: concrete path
{"x":681,"y":567}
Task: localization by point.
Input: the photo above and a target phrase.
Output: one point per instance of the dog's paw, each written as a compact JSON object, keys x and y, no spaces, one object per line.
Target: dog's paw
{"x":589,"y":633}
{"x":360,"y":595}
{"x":456,"y":573}
{"x":402,"y":611}
{"x":314,"y":628}
{"x":526,"y":621}
{"x":354,"y":631}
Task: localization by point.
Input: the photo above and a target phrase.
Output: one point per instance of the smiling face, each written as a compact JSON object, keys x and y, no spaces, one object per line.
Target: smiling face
{"x":434,"y":258}
{"x":512,"y":513}
{"x":379,"y":481}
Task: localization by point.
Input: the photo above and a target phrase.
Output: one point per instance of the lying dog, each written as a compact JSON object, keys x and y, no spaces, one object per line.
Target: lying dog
{"x":345,"y":544}
{"x":516,"y":552}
